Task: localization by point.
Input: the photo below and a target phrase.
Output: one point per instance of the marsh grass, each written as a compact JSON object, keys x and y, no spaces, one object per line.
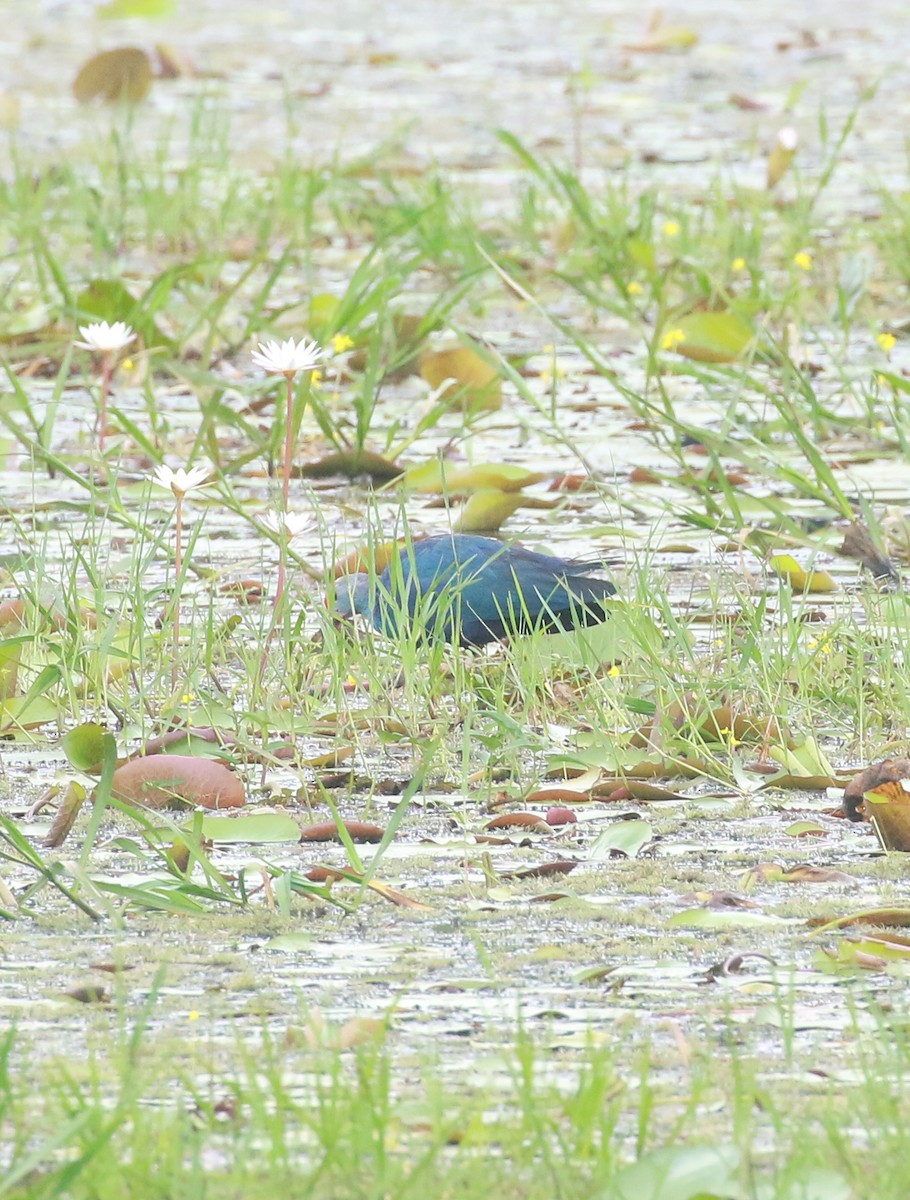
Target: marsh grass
{"x":200,"y":260}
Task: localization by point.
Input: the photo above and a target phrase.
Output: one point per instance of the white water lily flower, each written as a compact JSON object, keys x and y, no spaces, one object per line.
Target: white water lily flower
{"x":286,"y":524}
{"x":181,"y":482}
{"x":287,"y":358}
{"x":104,"y":338}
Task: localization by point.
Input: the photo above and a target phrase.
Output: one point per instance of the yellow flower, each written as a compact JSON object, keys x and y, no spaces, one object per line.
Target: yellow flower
{"x":738,"y":264}
{"x":316,"y":378}
{"x":886,"y":341}
{"x":803,"y":261}
{"x":672,"y":338}
{"x":192,"y":1015}
{"x":613,"y":672}
{"x":729,"y":737}
{"x":341,"y":342}
{"x":634,"y":288}
{"x":671,"y":228}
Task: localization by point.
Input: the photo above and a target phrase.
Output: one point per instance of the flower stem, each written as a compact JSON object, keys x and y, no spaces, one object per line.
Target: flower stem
{"x":107,"y":368}
{"x":288,"y":442}
{"x":178,"y":571}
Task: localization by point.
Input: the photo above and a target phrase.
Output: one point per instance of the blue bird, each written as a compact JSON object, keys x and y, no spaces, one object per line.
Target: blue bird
{"x":475,"y":590}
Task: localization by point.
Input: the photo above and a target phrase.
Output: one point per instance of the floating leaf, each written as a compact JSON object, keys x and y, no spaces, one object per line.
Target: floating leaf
{"x":519,"y":820}
{"x":486,"y":510}
{"x":806,"y":829}
{"x":168,"y":780}
{"x":122,"y":74}
{"x":444,"y":477}
{"x":327,"y":831}
{"x":623,"y":837}
{"x":122,"y":9}
{"x":722,"y":918}
{"x":475,"y":382}
{"x":800,"y":580}
{"x":714,"y":337}
{"x":85,"y":746}
{"x":769,"y":872}
{"x":679,"y":1173}
{"x":351,"y":464}
{"x":259,"y":828}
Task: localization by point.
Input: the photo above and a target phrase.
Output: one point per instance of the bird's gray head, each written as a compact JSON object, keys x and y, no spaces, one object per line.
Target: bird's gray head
{"x":352,"y":595}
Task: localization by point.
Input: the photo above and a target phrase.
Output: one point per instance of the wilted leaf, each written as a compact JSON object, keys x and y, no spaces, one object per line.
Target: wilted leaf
{"x":476,"y":383}
{"x":327,"y":831}
{"x":89,"y":993}
{"x":715,"y":337}
{"x":546,"y":870}
{"x":888,"y":808}
{"x":781,"y":156}
{"x":803,"y":873}
{"x":68,"y":810}
{"x":890,"y":770}
{"x":519,"y":820}
{"x":440,"y":477}
{"x":897,"y":917}
{"x":166,"y":780}
{"x":351,"y":464}
{"x":858,"y":544}
{"x":800,"y":580}
{"x":122,"y":74}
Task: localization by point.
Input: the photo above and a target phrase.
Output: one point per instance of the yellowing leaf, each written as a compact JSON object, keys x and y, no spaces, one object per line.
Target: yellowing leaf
{"x":799,"y":579}
{"x":442,"y":477}
{"x":486,"y":510}
{"x":121,"y":74}
{"x":717,"y":337}
{"x":119,"y":9}
{"x":475,"y":382}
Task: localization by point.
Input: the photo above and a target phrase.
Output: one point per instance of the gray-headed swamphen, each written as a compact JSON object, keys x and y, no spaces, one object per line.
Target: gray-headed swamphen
{"x":475,"y":590}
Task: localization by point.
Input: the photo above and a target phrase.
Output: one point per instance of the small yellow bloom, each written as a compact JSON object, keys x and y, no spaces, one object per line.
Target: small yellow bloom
{"x":548,"y":376}
{"x":738,"y":264}
{"x":729,"y":737}
{"x":803,"y":261}
{"x":613,"y":672}
{"x":127,"y":364}
{"x":886,"y":341}
{"x":634,"y":288}
{"x":193,"y":1015}
{"x":548,"y":349}
{"x":341,"y":342}
{"x":671,"y":228}
{"x":881,"y":380}
{"x":672,"y":338}
{"x":187,"y":697}
{"x":316,"y":378}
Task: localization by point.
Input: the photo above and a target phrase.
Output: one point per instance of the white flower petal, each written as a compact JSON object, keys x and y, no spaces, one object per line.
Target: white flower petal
{"x":181,"y":482}
{"x":286,"y":524}
{"x":287,"y":358}
{"x":105,"y":338}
